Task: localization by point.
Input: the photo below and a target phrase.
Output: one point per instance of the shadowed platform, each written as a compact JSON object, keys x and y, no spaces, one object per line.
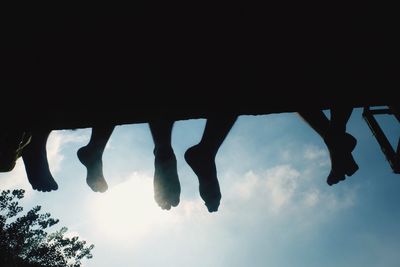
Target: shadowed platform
{"x":85,"y":69}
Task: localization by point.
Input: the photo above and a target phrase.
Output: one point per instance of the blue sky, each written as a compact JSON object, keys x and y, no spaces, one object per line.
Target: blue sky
{"x":276,"y":209}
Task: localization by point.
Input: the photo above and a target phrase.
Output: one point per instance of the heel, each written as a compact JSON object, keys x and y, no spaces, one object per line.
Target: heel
{"x":350,"y":141}
{"x":350,"y":166}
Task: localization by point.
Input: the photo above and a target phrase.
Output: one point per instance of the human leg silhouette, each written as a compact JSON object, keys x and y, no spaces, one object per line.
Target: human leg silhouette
{"x":12,"y":144}
{"x":91,"y":156}
{"x":201,"y":158}
{"x":167,"y":188}
{"x":37,"y":168}
{"x":339,"y":143}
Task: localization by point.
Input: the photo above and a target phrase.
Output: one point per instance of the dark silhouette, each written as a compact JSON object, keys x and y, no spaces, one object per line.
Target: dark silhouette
{"x":36,"y":165}
{"x":25,"y":241}
{"x":167,"y":188}
{"x":340,"y":144}
{"x":15,"y":144}
{"x":391,"y":153}
{"x":32,"y":148}
{"x":12,"y":144}
{"x":91,"y":156}
{"x":201,"y":158}
{"x":396,"y":111}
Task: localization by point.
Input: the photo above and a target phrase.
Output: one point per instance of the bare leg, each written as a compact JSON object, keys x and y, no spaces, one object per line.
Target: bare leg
{"x":11,"y":146}
{"x":317,"y":120}
{"x":339,"y":118}
{"x":36,"y":165}
{"x":339,"y":143}
{"x":342,"y":142}
{"x":167,"y":188}
{"x":201,"y":158}
{"x":91,"y":156}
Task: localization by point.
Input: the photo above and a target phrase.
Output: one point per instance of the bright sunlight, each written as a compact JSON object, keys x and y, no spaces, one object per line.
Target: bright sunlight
{"x":128,"y":210}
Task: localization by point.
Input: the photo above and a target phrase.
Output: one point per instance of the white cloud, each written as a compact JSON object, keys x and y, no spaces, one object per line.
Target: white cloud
{"x":274,"y":187}
{"x":53,"y":148}
{"x":283,"y":191}
{"x":16,"y":178}
{"x":311,"y":198}
{"x":281,"y":183}
{"x":278,"y":200}
{"x":245,"y":188}
{"x":56,"y":142}
{"x":314,"y":153}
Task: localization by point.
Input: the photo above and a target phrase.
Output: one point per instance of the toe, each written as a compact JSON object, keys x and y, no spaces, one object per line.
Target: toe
{"x":175,"y":201}
{"x":212,"y":206}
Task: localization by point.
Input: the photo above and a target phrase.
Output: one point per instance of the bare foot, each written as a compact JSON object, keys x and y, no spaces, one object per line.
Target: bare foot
{"x":43,"y":182}
{"x":38,"y":172}
{"x":342,"y":160}
{"x":94,"y":167}
{"x":204,"y":167}
{"x":167,"y":188}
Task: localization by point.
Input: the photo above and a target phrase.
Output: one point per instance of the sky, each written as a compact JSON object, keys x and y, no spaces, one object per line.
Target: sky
{"x":276,"y":208}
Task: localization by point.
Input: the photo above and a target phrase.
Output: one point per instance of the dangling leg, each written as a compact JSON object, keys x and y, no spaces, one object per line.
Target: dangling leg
{"x":339,"y":143}
{"x":317,"y":120}
{"x":91,"y":156}
{"x":344,"y":141}
{"x":320,"y":123}
{"x":339,"y":118}
{"x":12,"y":144}
{"x":37,"y":168}
{"x":167,"y":188}
{"x":201,"y":158}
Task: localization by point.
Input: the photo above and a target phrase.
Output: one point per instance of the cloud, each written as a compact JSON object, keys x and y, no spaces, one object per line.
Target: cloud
{"x":314,"y":152}
{"x":56,"y":142}
{"x":276,"y":203}
{"x":272,"y":189}
{"x":281,"y":183}
{"x":16,"y":178}
{"x":283,"y":192}
{"x":245,"y":189}
{"x":278,"y":194}
{"x":317,"y":154}
{"x":275,"y":186}
{"x":311,"y":198}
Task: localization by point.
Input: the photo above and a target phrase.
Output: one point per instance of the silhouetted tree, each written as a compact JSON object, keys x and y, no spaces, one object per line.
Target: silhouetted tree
{"x":24,"y":240}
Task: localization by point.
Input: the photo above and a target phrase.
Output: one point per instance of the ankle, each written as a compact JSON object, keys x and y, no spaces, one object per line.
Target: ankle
{"x":92,"y":150}
{"x":163,"y":151}
{"x":203,"y":151}
{"x":333,"y":136}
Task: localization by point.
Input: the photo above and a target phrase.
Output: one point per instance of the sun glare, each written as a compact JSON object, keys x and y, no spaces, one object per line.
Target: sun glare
{"x":128,"y":210}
